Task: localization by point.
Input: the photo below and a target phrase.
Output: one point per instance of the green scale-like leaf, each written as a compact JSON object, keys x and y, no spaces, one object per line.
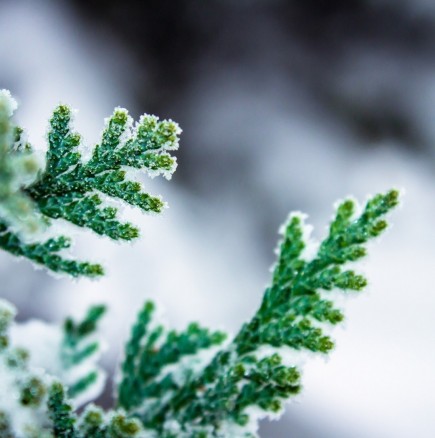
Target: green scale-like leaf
{"x":17,"y":166}
{"x":253,"y":370}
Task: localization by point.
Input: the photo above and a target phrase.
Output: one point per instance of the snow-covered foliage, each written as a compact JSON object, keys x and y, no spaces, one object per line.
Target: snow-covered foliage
{"x":69,"y":353}
{"x":193,"y":383}
{"x":33,"y":401}
{"x":18,"y":168}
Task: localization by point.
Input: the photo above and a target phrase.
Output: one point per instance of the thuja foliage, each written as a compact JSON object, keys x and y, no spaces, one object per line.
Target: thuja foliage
{"x":192,"y":383}
{"x":77,"y":349}
{"x":175,"y":389}
{"x":76,"y":190}
{"x":34,"y":404}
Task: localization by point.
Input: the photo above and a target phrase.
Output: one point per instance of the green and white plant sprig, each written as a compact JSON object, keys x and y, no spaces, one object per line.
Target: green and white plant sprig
{"x":69,"y":188}
{"x":192,"y":383}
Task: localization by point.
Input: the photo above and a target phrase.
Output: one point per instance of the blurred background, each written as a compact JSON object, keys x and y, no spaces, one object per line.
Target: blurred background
{"x":285,"y":105}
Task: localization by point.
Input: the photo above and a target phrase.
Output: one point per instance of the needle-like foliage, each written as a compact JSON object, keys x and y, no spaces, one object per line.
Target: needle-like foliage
{"x":69,"y":188}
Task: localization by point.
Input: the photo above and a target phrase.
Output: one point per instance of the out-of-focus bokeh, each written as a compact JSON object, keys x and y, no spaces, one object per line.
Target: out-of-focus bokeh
{"x":285,"y":105}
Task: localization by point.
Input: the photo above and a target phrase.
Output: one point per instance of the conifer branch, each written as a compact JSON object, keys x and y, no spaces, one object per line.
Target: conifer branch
{"x":74,"y":190}
{"x":155,"y":361}
{"x":78,"y":348}
{"x":47,"y":254}
{"x":35,"y":405}
{"x":17,"y":167}
{"x":195,"y":383}
{"x":252,"y":376}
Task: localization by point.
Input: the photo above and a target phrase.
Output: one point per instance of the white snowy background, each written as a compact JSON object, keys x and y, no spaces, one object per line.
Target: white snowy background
{"x":266,"y":148}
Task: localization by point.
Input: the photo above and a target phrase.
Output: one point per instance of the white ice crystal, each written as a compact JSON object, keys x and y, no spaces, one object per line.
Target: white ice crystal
{"x":9,"y":102}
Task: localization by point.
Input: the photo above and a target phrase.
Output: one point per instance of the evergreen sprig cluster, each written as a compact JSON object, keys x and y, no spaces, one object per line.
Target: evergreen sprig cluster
{"x":34,"y":405}
{"x":78,"y":191}
{"x":254,"y":375}
{"x":194,"y":383}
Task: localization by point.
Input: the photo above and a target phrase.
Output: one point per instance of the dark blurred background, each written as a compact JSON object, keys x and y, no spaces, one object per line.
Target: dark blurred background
{"x":285,"y":106}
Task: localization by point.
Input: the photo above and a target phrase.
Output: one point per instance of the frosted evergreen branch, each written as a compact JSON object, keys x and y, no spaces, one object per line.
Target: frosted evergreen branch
{"x":155,"y":361}
{"x":79,"y":347}
{"x":253,"y":376}
{"x":47,"y":254}
{"x":70,"y":354}
{"x":68,"y":188}
{"x":37,"y":404}
{"x":74,"y":190}
{"x":194,"y":383}
{"x":17,"y":167}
